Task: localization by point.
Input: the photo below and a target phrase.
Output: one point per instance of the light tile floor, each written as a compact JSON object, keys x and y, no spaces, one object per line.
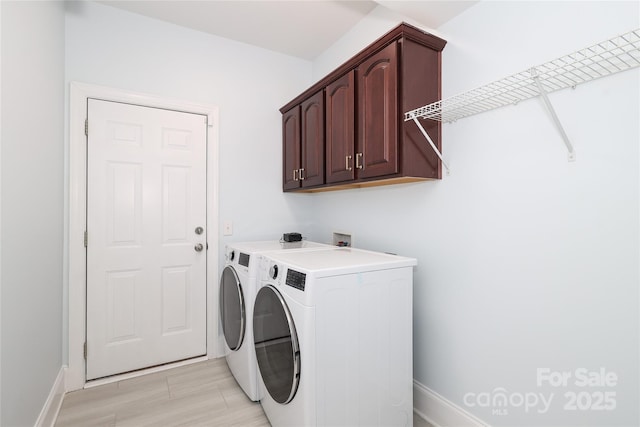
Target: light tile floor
{"x":201,"y":394}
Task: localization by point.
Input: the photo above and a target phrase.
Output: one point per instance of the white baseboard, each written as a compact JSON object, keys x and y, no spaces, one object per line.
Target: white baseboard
{"x":53,"y":403}
{"x":439,"y":411}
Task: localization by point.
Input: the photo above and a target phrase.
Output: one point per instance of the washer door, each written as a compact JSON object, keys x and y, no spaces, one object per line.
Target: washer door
{"x":232,"y":309}
{"x":276,"y":344}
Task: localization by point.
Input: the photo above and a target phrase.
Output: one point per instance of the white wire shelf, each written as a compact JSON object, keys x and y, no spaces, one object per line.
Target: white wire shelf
{"x":611,"y":56}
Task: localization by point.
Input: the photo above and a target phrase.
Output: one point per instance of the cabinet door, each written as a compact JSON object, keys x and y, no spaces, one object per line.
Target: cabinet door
{"x":378,"y":114}
{"x":312,"y":169}
{"x":291,"y":148}
{"x":340,"y":115}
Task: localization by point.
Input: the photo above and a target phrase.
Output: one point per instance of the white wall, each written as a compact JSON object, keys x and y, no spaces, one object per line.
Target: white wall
{"x":525,"y":260}
{"x":377,"y":22}
{"x":32,"y":205}
{"x":110,"y":47}
{"x":0,"y":214}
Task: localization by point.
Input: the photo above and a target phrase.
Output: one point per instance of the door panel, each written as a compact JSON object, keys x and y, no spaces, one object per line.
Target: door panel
{"x":312,"y":172}
{"x":176,"y":315}
{"x":175,"y":203}
{"x":377,"y":110}
{"x":121,"y":301}
{"x":124,"y":220}
{"x":146,"y":194}
{"x":291,"y":148}
{"x":340,"y":115}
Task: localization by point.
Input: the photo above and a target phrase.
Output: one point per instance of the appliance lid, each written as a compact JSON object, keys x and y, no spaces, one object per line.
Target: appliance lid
{"x":274,"y":245}
{"x":335,"y":261}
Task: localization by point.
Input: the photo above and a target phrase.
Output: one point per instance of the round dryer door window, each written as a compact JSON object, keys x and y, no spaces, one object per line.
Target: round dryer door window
{"x":276,"y":344}
{"x":232,"y":309}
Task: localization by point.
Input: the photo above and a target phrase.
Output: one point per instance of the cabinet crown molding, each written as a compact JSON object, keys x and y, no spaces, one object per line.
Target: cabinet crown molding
{"x":403,"y":30}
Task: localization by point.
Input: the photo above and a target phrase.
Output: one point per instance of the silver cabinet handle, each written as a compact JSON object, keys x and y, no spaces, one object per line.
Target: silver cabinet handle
{"x":295,"y":174}
{"x":358,"y":160}
{"x":301,"y":175}
{"x":198,"y":247}
{"x":346,"y":163}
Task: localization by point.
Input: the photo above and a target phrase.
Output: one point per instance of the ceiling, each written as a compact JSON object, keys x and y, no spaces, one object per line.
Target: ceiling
{"x":303,"y":28}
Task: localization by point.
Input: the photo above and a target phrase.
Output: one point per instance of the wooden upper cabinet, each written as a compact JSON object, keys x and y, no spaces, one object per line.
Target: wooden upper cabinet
{"x":303,"y":144}
{"x":377,"y":151}
{"x":340,"y":130}
{"x":291,"y":148}
{"x":352,"y":131}
{"x":312,"y":142}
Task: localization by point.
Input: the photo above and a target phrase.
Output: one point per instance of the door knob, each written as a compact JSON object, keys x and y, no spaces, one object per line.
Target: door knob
{"x":198,"y":247}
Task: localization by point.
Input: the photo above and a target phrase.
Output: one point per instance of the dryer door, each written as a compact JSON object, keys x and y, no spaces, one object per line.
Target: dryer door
{"x":276,"y":343}
{"x":232,"y":308}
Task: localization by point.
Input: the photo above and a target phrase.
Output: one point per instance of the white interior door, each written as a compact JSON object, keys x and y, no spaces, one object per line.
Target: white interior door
{"x":146,"y":202}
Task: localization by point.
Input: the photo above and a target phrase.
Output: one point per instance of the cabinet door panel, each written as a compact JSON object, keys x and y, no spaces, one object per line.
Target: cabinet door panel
{"x":340,"y":130}
{"x":291,"y":148}
{"x":378,"y":113}
{"x":313,"y":141}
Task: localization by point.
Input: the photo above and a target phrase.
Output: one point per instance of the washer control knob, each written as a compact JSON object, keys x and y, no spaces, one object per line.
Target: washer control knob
{"x":232,"y":255}
{"x":273,"y":271}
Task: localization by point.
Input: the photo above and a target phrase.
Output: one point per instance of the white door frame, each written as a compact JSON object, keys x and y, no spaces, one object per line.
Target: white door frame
{"x":79,"y":92}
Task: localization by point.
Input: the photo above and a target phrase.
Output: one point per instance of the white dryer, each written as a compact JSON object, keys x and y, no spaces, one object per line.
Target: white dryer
{"x":333,"y":338}
{"x":236,"y":298}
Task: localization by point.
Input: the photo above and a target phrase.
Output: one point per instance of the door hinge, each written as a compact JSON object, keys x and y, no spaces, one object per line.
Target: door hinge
{"x":85,"y":350}
{"x":86,"y":238}
{"x":86,"y":127}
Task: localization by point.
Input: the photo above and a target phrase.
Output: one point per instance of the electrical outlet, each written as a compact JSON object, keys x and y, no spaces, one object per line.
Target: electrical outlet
{"x":227,"y":228}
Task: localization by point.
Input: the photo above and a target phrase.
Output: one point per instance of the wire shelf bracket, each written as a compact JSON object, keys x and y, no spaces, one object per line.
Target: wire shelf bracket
{"x":609,"y":57}
{"x":430,"y":141}
{"x":554,"y":116}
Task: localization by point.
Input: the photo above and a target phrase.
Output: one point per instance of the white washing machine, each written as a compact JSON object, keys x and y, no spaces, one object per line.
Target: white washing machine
{"x":237,"y":294}
{"x":333,"y":338}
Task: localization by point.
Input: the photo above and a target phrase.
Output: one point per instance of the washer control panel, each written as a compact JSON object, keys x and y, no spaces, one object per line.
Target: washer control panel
{"x":243,"y":259}
{"x":296,"y":279}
